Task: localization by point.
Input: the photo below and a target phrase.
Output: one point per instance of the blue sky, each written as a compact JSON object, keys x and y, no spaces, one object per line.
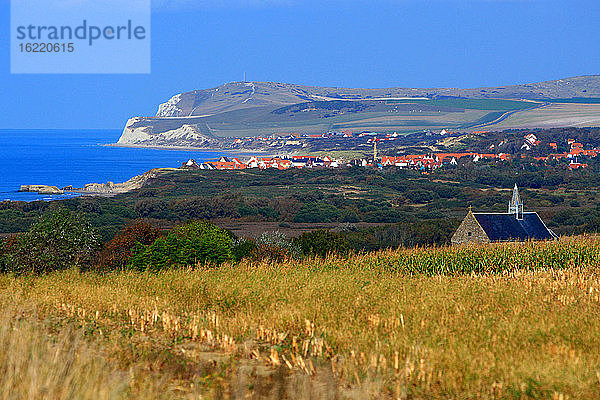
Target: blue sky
{"x":354,"y":43}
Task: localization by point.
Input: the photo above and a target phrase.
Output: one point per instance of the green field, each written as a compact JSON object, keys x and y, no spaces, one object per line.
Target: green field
{"x":440,"y":113}
{"x":319,"y":117}
{"x":473,"y":104}
{"x":555,"y":115}
{"x":578,"y":100}
{"x":402,"y":116}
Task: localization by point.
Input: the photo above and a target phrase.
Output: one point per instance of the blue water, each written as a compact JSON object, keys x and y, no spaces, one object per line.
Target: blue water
{"x":75,"y":157}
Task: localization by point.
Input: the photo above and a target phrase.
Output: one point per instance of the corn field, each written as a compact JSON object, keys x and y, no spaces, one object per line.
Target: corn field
{"x":491,"y":258}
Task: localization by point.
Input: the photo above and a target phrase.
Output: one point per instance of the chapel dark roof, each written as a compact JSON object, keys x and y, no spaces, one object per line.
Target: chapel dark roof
{"x":504,"y":227}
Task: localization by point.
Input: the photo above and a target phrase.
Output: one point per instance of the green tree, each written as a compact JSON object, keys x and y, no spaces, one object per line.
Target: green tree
{"x":59,"y":240}
{"x":318,"y":212}
{"x":117,"y":252}
{"x":244,"y":248}
{"x":188,"y":245}
{"x":322,"y":243}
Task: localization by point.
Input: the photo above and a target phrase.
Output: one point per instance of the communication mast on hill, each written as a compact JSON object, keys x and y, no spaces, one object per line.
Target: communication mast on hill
{"x":244,"y":77}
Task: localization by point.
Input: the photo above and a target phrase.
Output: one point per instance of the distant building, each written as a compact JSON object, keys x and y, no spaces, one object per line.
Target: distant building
{"x":515,"y":225}
{"x":576,"y":165}
{"x":191,"y":164}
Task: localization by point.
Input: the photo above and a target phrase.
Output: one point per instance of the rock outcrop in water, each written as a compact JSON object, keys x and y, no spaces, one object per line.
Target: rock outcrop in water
{"x":41,"y":189}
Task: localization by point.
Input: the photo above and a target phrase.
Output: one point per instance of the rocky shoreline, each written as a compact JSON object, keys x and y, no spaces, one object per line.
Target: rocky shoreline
{"x":99,"y":189}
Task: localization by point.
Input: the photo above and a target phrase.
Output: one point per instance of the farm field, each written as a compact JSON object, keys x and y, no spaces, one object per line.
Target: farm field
{"x":371,"y":121}
{"x":403,"y":116}
{"x":554,"y":115}
{"x":474,"y":113}
{"x":512,"y":321}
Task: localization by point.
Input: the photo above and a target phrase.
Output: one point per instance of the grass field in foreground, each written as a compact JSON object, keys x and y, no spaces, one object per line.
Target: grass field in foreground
{"x":507,"y":321}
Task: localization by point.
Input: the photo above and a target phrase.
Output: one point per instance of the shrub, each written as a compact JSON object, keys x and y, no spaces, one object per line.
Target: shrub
{"x":89,"y":205}
{"x":152,"y":208}
{"x":322,"y":243}
{"x":385,"y":215}
{"x":3,"y":254}
{"x":318,"y":212}
{"x":245,"y":210}
{"x":117,"y":252}
{"x":188,"y":245}
{"x":59,"y":240}
{"x":276,"y":246}
{"x":420,"y":196}
{"x":243,"y":248}
{"x":350,"y":216}
{"x":408,"y":234}
{"x":268,"y":213}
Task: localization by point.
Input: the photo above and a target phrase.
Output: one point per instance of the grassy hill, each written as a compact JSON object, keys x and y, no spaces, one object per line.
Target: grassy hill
{"x":246,"y":95}
{"x":504,"y":321}
{"x":402,"y":116}
{"x":263,"y":108}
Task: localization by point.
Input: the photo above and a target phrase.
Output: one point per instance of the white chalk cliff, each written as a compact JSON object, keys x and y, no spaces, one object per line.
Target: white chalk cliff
{"x":171,"y":108}
{"x":135,"y":135}
{"x":137,"y":132}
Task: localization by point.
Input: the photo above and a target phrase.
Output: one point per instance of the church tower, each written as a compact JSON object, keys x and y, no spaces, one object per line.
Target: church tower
{"x":515,"y":206}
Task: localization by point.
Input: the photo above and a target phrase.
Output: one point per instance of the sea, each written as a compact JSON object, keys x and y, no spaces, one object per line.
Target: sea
{"x":76,"y":157}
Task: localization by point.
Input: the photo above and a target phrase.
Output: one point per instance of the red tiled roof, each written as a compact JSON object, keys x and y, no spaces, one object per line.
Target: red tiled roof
{"x":442,"y":156}
{"x":577,"y":165}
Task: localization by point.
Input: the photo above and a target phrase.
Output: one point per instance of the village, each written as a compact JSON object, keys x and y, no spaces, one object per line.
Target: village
{"x":425,"y":162}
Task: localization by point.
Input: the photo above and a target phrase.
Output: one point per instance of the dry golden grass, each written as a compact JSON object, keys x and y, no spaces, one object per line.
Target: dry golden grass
{"x":37,"y":365}
{"x":371,"y":326}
